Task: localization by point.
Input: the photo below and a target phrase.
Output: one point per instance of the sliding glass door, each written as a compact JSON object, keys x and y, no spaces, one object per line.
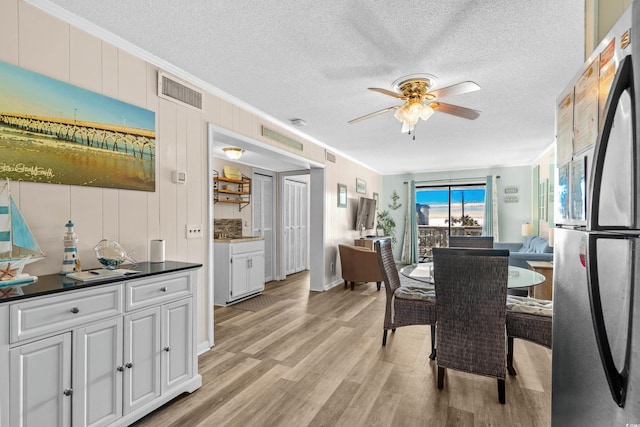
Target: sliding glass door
{"x":448,"y":210}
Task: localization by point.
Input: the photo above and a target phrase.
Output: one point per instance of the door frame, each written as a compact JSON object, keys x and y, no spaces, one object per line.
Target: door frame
{"x":274,"y":205}
{"x":220,"y":135}
{"x":284,"y":176}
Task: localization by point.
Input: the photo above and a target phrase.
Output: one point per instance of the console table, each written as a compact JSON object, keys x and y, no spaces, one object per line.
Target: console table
{"x":106,"y":351}
{"x":545,"y":290}
{"x":369,"y":242}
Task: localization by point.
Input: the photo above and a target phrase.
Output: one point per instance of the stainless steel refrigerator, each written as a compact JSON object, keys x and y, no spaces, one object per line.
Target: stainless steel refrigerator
{"x":596,"y":318}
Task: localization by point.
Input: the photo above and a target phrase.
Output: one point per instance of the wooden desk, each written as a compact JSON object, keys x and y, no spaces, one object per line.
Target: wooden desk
{"x":368,"y":242}
{"x":544,"y":290}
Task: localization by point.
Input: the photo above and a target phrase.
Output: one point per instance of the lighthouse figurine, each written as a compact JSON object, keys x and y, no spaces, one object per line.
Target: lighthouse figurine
{"x":71,"y":262}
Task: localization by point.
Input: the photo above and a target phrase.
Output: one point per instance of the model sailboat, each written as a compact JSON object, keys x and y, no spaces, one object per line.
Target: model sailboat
{"x":18,"y":247}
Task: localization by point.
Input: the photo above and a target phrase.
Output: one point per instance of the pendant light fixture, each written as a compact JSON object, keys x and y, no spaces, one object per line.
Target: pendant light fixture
{"x":233,"y":153}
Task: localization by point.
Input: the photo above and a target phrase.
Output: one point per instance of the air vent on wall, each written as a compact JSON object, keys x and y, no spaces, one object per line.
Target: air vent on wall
{"x":330,"y":156}
{"x":169,"y":88}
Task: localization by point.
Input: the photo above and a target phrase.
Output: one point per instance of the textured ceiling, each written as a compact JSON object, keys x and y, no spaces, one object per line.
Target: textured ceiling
{"x":315,"y":60}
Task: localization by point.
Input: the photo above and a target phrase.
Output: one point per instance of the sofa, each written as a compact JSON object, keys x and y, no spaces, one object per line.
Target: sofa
{"x":534,"y":248}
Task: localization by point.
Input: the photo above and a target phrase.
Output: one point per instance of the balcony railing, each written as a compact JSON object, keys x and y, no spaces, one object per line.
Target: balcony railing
{"x":430,"y":236}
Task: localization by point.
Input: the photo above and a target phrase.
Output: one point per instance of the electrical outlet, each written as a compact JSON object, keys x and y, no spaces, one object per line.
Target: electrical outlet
{"x":332,"y":267}
{"x":194,"y":231}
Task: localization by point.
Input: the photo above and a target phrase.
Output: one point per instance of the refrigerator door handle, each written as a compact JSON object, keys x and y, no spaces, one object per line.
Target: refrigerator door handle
{"x":623,"y":81}
{"x":617,"y":380}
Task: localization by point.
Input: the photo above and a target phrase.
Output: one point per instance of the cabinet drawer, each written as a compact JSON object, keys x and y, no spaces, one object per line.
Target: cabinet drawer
{"x":246,"y":247}
{"x":60,"y":313}
{"x":156,"y":291}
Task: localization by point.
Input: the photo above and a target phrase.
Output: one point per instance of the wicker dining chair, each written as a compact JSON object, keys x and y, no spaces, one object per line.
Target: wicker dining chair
{"x":409,"y":302}
{"x":529,"y":319}
{"x":471,"y":296}
{"x":471,"y":242}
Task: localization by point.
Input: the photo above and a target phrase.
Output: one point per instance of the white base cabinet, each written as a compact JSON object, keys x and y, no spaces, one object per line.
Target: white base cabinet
{"x":40,"y":379}
{"x":109,"y":372}
{"x":238,"y":271}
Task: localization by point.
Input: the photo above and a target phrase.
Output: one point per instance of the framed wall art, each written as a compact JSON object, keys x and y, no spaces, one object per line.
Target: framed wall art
{"x":57,"y":133}
{"x":342,"y":196}
{"x":361,"y":186}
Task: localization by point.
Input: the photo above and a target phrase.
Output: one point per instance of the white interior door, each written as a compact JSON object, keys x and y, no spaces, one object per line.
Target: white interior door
{"x":263,"y":218}
{"x":295,"y":225}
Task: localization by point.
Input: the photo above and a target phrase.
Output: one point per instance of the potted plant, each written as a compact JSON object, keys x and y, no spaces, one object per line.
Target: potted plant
{"x":386,"y":222}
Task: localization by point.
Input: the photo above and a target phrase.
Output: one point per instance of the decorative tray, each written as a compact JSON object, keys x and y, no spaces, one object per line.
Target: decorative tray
{"x":21,"y":280}
{"x":100,"y":273}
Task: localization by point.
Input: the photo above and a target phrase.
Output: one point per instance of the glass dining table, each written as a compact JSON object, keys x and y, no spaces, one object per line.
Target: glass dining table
{"x":518,"y":277}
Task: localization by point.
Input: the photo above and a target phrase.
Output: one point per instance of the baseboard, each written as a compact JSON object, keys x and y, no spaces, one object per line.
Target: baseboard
{"x":333,"y":284}
{"x":203,"y":347}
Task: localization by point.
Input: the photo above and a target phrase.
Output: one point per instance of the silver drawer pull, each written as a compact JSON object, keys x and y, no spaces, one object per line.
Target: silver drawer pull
{"x":129,"y":365}
{"x":120,"y":368}
{"x":75,"y":310}
{"x":167,"y":349}
{"x":163,"y":289}
{"x":68,"y":392}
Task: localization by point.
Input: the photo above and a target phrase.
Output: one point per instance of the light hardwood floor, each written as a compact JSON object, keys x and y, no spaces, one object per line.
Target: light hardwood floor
{"x":291,"y":357}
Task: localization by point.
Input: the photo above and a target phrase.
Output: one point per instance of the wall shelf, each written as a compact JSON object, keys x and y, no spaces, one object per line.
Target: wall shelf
{"x":229,"y":190}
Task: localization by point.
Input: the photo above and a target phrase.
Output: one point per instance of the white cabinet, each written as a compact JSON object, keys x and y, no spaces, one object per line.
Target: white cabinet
{"x":111,"y":371}
{"x":177,"y":344}
{"x":238,"y":270}
{"x":142,"y":358}
{"x":98,"y":373}
{"x":40,"y":379}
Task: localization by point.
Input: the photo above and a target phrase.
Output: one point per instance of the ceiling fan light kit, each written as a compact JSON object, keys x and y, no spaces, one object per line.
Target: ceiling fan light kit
{"x":414,"y":90}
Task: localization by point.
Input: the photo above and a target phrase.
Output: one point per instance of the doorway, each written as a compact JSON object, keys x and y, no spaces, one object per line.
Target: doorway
{"x":263,"y":157}
{"x":264,"y":212}
{"x":295,"y":222}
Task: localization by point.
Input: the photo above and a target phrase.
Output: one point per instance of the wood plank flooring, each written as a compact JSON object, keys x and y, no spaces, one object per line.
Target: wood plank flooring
{"x":292,"y":357}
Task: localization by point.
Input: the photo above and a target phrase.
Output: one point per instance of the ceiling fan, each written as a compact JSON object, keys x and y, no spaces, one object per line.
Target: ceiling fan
{"x":420,"y":103}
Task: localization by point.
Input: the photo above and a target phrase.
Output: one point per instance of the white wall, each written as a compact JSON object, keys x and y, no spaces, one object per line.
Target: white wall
{"x":511,"y":215}
{"x":340,"y":222}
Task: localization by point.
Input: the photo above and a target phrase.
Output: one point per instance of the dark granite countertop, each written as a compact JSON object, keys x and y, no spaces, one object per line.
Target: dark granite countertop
{"x":55,"y":283}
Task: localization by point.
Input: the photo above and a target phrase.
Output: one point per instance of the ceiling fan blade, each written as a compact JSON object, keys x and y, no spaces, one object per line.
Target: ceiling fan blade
{"x":457,"y":89}
{"x":375,"y":113}
{"x":388,"y":92}
{"x":465,"y":113}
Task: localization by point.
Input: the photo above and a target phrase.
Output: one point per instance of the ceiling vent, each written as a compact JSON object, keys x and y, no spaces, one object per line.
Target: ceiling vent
{"x":169,"y":88}
{"x":330,"y":156}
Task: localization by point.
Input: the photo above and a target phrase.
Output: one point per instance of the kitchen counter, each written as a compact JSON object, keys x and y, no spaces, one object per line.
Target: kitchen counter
{"x":237,"y":239}
{"x":54,"y":283}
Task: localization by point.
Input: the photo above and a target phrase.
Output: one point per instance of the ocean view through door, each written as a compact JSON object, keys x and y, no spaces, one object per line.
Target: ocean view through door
{"x":448,"y":210}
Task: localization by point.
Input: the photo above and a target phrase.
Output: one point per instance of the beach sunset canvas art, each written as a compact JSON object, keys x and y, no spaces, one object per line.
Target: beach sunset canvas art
{"x":54,"y":132}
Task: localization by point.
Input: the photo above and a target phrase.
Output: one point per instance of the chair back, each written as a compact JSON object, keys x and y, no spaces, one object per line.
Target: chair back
{"x":471,"y":297}
{"x":388,"y":266}
{"x":471,"y":242}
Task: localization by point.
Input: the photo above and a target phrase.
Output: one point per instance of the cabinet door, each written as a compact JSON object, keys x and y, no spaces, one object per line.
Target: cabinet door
{"x":98,"y":371}
{"x":256,"y":272}
{"x":177,"y":343}
{"x":141,"y":358}
{"x":239,"y":269}
{"x":40,"y":383}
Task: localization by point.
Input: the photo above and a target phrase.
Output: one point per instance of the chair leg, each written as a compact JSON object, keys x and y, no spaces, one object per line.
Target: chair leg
{"x":510,"y":367}
{"x":384,"y":337}
{"x":501,"y":391}
{"x":432,"y":356}
{"x":379,"y":283}
{"x":440,"y":377}
{"x":346,"y":283}
{"x":353,"y":285}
